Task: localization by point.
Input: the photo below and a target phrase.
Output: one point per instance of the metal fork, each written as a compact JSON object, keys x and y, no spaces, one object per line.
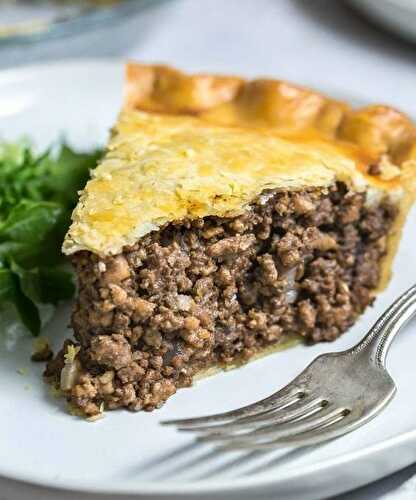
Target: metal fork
{"x":337,"y":393}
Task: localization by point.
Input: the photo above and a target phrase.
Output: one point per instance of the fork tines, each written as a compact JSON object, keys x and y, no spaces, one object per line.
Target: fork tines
{"x":279,"y":420}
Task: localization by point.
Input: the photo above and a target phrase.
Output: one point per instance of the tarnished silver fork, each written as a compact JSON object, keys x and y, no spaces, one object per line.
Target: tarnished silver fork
{"x":337,"y":393}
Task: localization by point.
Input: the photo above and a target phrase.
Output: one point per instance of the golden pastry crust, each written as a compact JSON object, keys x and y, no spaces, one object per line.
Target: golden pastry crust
{"x":162,"y":168}
{"x":164,"y":89}
{"x":287,"y":108}
{"x":189,"y":146}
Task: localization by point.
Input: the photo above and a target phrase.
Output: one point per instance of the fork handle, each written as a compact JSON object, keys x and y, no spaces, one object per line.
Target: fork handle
{"x":378,"y":340}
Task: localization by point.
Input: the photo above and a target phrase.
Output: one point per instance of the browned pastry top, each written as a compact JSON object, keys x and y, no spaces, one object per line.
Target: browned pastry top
{"x":193,"y":146}
{"x":292,"y":111}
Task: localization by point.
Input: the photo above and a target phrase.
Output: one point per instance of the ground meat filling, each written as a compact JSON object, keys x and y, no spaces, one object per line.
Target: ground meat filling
{"x":217,"y":290}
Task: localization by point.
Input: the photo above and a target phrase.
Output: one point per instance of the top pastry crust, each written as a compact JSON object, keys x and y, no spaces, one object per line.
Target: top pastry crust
{"x":284,"y":107}
{"x":192,"y":146}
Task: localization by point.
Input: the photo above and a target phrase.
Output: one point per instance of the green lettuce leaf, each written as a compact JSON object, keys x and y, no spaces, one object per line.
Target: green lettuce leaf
{"x":37,"y":195}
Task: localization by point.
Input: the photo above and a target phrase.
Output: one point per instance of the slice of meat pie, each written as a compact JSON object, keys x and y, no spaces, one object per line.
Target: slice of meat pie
{"x":226,"y":219}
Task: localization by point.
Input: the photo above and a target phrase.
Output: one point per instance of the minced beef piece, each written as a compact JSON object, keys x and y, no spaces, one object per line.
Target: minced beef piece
{"x":218,"y":290}
{"x":113,"y":351}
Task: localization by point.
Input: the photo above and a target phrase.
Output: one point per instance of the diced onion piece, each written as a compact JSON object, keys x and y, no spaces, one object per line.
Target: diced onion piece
{"x":69,"y":375}
{"x":291,"y":291}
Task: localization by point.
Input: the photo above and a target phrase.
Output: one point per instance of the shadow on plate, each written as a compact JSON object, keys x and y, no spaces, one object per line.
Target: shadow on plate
{"x":197,"y":462}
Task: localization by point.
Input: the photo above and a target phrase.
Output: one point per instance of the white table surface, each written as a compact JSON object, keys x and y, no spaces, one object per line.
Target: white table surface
{"x":293,"y":39}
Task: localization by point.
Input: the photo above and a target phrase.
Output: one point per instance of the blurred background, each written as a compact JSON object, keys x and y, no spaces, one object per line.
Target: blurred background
{"x":300,"y":40}
{"x":295,"y":39}
{"x":287,"y":38}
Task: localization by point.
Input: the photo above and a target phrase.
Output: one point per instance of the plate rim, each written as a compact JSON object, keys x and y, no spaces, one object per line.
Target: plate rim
{"x":227,"y":486}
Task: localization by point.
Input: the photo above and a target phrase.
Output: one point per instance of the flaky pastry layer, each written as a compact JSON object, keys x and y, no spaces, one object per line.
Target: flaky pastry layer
{"x":188,"y":146}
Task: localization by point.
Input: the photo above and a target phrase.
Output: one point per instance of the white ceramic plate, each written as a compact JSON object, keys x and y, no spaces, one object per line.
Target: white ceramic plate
{"x":396,"y":15}
{"x":127,"y":453}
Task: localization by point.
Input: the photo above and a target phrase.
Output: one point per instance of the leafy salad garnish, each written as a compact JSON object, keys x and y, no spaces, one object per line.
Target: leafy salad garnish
{"x":37,"y":195}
